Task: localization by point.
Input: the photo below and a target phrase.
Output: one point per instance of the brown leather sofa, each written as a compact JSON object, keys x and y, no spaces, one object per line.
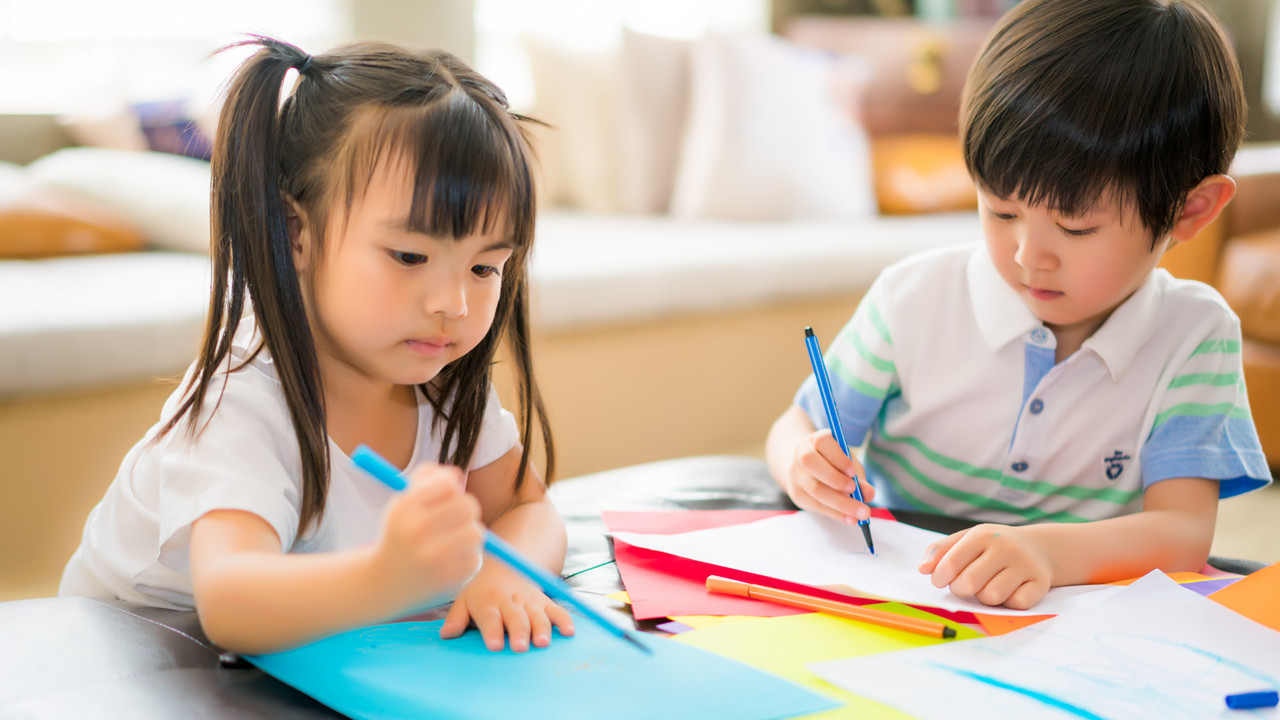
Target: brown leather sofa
{"x":1239,"y":254}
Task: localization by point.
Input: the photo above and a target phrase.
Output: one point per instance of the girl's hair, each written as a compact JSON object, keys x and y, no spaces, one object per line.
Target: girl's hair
{"x":1073,"y":99}
{"x":350,"y":110}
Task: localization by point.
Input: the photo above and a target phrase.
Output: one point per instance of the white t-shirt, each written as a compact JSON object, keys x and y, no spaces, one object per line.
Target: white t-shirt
{"x":136,"y":543}
{"x":953,"y":383}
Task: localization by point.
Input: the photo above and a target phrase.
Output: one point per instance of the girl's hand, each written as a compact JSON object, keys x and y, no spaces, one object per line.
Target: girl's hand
{"x":431,"y":537}
{"x":994,"y":564}
{"x":820,"y":479}
{"x":498,"y":600}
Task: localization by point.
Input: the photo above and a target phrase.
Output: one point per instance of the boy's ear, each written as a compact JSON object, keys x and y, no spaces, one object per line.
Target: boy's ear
{"x":299,"y":234}
{"x":1203,"y":205}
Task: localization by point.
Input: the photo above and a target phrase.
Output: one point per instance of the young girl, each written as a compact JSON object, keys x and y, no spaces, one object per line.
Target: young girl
{"x":378,"y":224}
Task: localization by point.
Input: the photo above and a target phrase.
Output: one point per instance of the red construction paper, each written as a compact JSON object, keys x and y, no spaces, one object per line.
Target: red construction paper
{"x":662,"y":585}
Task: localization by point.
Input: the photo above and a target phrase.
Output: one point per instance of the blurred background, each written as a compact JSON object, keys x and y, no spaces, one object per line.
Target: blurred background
{"x":718,"y":174}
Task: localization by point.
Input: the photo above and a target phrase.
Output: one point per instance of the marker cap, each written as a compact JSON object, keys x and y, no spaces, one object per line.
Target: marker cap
{"x":1260,"y":699}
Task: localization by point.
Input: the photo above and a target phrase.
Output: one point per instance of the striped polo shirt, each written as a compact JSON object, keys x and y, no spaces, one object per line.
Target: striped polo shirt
{"x":951,"y":382}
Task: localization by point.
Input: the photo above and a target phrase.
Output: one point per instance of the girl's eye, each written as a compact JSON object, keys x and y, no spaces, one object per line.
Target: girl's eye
{"x":408,"y":258}
{"x":484,"y":271}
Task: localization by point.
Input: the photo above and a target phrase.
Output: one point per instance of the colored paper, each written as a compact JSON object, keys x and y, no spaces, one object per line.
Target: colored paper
{"x":404,"y":670}
{"x":1152,"y":650}
{"x":1209,"y":587}
{"x":697,"y":622}
{"x":661,"y":585}
{"x":813,"y":550}
{"x":785,"y":645}
{"x":1255,"y":596}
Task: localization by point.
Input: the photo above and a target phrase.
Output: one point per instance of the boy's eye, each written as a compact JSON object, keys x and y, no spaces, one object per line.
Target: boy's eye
{"x":408,"y":258}
{"x":484,"y":271}
{"x":1079,"y":233}
{"x":1003,"y":216}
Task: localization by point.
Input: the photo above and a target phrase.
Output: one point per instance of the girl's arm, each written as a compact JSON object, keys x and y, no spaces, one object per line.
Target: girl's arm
{"x":252,"y":598}
{"x":1016,"y":566}
{"x":499,"y":601}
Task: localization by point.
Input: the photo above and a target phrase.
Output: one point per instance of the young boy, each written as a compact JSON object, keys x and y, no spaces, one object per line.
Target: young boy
{"x":1054,"y":384}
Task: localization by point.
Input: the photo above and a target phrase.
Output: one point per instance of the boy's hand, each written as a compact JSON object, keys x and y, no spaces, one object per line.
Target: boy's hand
{"x":498,"y":601}
{"x":431,"y":537}
{"x":994,"y":564}
{"x":820,"y":479}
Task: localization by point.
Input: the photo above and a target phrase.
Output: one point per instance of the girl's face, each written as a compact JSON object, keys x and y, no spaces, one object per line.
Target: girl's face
{"x":1070,"y":271}
{"x":391,"y":305}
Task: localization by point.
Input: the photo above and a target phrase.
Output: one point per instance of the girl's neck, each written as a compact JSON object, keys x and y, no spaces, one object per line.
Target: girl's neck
{"x":359,"y":411}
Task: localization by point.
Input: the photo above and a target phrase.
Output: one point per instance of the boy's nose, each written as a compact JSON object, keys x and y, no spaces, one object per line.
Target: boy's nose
{"x":1034,"y":251}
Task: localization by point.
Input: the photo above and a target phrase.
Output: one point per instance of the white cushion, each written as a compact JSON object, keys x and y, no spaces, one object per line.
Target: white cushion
{"x":767,"y":139}
{"x":655,"y":99}
{"x":166,"y":196}
{"x":595,"y":270}
{"x":78,"y":321}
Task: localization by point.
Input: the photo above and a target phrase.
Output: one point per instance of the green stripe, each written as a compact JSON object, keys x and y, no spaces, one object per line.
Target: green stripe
{"x":1039,"y":487}
{"x":873,"y":314}
{"x":847,"y":377}
{"x":1217,"y":379}
{"x":1217,"y":346}
{"x":1030,"y":514}
{"x":1201,"y":410}
{"x":915,"y":502}
{"x":876,"y":361}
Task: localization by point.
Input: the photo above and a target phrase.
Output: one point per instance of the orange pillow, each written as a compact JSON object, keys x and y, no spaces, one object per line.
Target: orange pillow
{"x":44,"y":224}
{"x":920,"y":173}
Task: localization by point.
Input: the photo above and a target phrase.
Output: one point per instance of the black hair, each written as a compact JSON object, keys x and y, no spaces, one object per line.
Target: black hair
{"x":1071,"y":100}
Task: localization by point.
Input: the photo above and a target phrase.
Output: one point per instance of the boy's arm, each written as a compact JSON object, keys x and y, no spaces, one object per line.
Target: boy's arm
{"x":1016,"y":566}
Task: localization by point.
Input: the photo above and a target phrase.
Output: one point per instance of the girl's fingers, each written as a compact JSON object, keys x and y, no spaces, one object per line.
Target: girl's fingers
{"x":517,"y":624}
{"x":539,"y":622}
{"x":455,"y":621}
{"x":490,"y":623}
{"x":560,"y":618}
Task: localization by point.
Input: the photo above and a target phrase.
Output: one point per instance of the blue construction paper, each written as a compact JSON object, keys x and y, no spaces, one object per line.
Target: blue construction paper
{"x":404,"y":670}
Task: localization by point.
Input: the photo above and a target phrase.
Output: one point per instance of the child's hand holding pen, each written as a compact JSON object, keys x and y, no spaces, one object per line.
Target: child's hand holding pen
{"x":431,"y":538}
{"x":821,"y":479}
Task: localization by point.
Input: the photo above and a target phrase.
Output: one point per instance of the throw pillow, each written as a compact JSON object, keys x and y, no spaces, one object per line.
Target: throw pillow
{"x":655,"y":98}
{"x":42,"y":223}
{"x":921,"y":173}
{"x":165,"y":196}
{"x":766,"y":139}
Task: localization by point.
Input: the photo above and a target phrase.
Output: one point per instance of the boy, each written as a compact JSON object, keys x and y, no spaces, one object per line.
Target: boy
{"x":1054,"y":384}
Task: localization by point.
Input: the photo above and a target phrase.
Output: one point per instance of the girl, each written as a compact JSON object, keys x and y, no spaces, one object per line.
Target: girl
{"x":378,"y":224}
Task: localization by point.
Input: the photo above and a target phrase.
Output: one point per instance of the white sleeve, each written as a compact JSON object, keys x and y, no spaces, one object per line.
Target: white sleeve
{"x":498,"y":432}
{"x":244,"y":458}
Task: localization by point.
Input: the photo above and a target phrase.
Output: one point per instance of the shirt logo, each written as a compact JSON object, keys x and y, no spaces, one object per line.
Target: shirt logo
{"x":1115,"y":464}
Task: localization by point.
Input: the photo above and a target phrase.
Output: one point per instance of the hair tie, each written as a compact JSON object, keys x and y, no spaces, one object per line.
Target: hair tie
{"x":303,"y":66}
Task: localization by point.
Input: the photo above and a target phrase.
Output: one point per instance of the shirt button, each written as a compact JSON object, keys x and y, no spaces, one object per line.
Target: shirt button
{"x":1019,"y":466}
{"x":1039,"y":335}
{"x":1036,"y":406}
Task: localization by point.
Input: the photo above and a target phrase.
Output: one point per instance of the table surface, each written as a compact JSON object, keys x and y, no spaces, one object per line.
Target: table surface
{"x":88,"y":658}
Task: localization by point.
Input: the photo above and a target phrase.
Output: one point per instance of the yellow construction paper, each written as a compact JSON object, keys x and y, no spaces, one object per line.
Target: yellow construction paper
{"x":785,"y":645}
{"x":620,"y":596}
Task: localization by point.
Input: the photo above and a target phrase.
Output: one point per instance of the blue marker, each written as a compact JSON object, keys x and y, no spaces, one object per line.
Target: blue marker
{"x":833,"y":419}
{"x":1250,"y":700}
{"x":374,"y":464}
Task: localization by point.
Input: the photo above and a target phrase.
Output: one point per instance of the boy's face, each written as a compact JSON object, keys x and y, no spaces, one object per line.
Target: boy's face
{"x":1070,"y":271}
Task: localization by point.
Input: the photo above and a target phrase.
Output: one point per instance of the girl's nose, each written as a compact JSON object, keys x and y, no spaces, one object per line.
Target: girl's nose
{"x":447,"y":296}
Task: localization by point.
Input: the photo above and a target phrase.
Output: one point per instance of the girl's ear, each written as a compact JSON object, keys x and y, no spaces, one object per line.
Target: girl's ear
{"x":1203,"y":205}
{"x":299,"y":233}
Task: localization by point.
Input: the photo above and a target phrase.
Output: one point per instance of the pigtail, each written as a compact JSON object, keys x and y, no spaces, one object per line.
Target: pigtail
{"x":252,"y":255}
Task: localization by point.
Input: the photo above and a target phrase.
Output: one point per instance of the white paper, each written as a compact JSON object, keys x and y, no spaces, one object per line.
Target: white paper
{"x":1154,"y":650}
{"x":812,"y":549}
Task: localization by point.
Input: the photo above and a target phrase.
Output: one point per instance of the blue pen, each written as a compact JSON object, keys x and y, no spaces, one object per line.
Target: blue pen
{"x":833,"y":419}
{"x":374,"y":464}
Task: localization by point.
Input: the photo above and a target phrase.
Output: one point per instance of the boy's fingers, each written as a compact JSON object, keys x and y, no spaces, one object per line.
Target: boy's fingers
{"x":934,"y":554}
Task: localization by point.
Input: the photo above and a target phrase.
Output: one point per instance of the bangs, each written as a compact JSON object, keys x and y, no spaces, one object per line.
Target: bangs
{"x":468,"y":162}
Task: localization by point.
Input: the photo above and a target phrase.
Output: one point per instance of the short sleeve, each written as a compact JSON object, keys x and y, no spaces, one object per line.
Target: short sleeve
{"x":1203,"y":427}
{"x":498,"y":432}
{"x":860,"y":363}
{"x":245,"y":457}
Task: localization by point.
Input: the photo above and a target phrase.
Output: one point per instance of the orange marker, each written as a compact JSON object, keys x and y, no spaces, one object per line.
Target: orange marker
{"x":726,"y":586}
